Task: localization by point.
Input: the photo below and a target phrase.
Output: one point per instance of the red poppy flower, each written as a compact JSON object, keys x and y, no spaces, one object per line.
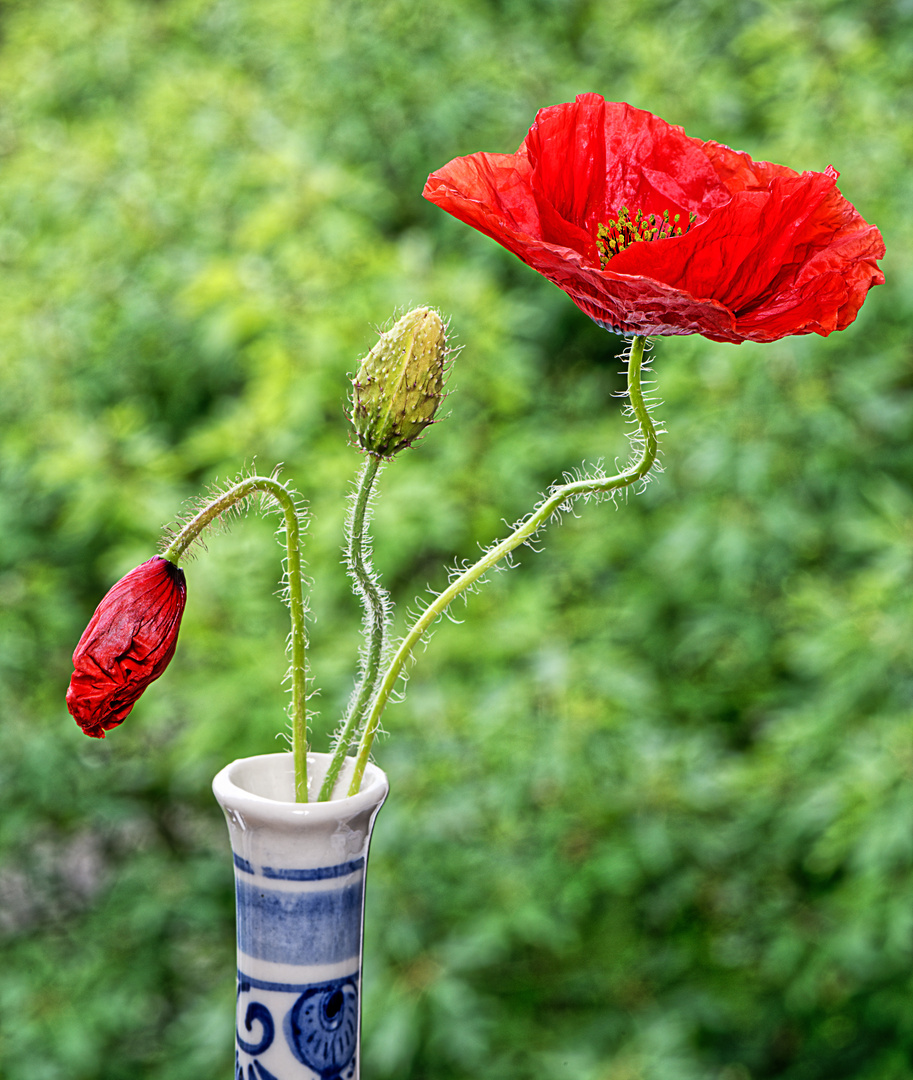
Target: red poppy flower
{"x":652,"y":232}
{"x":127,"y":645}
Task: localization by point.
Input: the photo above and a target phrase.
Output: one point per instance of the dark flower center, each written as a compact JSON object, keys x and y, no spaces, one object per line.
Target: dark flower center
{"x":624,"y":230}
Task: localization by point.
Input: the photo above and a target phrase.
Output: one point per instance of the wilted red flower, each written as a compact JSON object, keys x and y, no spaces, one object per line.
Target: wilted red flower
{"x":651,"y":232}
{"x":127,"y":645}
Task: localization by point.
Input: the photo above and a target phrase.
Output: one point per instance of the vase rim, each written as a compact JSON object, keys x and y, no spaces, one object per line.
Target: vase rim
{"x":228,"y":787}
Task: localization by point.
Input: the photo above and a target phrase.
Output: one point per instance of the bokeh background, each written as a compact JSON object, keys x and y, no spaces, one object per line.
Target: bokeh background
{"x":652,"y":799}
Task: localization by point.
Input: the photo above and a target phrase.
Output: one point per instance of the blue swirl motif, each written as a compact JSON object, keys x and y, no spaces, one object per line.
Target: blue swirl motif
{"x":256,"y":1013}
{"x":322,"y":1027}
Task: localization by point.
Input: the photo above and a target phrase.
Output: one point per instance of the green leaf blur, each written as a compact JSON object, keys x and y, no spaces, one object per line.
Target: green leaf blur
{"x":651,"y":813}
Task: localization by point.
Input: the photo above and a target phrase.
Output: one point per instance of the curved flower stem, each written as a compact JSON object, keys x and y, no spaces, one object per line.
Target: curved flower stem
{"x":527,"y":528}
{"x":376,"y":603}
{"x":219,"y":505}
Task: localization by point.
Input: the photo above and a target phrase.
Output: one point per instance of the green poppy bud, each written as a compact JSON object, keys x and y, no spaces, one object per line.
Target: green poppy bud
{"x":400,"y":384}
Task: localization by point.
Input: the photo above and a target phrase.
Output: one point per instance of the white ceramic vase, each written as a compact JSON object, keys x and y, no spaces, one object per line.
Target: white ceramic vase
{"x":299,"y":890}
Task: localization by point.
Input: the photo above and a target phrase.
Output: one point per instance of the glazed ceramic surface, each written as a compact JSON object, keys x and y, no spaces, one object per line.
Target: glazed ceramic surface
{"x":299,"y":888}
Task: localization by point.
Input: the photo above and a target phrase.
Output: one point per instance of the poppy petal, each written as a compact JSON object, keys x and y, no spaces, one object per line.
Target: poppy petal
{"x":768,"y":252}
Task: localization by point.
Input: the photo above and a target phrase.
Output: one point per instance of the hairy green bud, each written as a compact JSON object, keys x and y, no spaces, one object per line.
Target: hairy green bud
{"x":400,"y":384}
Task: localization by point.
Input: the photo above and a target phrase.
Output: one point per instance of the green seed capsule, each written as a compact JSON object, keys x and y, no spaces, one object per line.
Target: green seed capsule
{"x":400,"y":384}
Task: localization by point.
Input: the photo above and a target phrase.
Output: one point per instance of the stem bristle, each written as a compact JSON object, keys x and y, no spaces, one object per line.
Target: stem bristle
{"x":273,"y":494}
{"x":559,"y":500}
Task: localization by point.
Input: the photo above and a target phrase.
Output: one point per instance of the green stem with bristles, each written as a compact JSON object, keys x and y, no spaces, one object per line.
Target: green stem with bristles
{"x":298,"y":671}
{"x":376,"y":604}
{"x":530,"y":525}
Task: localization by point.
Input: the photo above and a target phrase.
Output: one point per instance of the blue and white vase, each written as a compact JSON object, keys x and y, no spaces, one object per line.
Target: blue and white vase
{"x":299,"y":889}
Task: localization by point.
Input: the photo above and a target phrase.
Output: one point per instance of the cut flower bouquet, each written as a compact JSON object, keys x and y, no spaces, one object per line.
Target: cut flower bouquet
{"x":651,"y":233}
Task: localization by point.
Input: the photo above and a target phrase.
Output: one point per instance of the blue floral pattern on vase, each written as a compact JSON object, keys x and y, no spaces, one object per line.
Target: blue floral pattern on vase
{"x":298,"y":921}
{"x":254,"y":1072}
{"x":322,"y":1028}
{"x":299,"y":893}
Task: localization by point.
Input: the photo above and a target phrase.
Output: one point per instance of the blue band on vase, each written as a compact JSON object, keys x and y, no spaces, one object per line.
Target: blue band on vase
{"x":321,"y":927}
{"x":319,"y":873}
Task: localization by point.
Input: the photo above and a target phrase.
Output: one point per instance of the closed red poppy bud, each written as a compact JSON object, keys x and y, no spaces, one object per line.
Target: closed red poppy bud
{"x":651,"y":232}
{"x":127,"y":645}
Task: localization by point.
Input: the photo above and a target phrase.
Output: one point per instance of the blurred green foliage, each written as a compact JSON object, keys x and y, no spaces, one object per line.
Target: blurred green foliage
{"x":651,"y":811}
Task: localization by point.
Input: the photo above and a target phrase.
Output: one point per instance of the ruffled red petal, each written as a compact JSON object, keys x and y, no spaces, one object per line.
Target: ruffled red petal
{"x":772,"y":252}
{"x":128,"y":643}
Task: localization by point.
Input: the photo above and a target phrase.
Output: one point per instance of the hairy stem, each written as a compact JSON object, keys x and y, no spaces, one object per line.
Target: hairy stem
{"x":376,"y":603}
{"x":179,"y":545}
{"x":527,"y":528}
